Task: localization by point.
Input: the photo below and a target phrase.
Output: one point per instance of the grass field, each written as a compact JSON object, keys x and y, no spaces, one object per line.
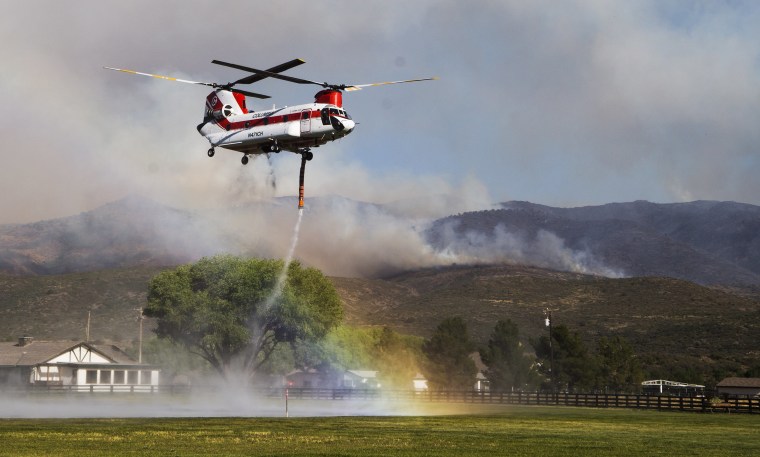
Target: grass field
{"x":475,"y":430}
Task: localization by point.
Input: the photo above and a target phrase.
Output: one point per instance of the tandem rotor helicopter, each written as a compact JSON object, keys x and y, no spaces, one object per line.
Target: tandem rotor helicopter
{"x":227,"y":122}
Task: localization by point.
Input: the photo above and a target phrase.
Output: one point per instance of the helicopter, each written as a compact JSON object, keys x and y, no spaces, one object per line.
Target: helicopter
{"x":229,"y":124}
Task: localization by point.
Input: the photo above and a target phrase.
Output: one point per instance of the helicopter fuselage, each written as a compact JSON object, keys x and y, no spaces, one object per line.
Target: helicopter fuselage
{"x":228,"y":124}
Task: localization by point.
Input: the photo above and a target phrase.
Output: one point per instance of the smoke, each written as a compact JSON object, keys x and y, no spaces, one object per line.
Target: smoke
{"x":545,"y":250}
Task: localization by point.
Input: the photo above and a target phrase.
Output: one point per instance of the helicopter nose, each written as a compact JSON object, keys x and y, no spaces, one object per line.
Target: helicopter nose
{"x":342,"y":125}
{"x":348,"y":124}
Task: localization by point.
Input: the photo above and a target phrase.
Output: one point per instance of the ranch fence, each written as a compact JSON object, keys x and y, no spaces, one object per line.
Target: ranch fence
{"x":732,"y":404}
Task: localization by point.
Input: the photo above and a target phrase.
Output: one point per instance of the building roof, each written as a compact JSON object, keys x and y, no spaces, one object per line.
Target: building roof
{"x":665,"y":382}
{"x":740,"y":382}
{"x":37,"y":352}
{"x":367,"y":374}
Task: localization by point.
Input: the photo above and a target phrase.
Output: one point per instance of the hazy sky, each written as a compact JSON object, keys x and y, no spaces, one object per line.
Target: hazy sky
{"x":563,"y":103}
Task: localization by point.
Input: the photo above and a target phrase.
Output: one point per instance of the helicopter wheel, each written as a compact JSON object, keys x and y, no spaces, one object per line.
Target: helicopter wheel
{"x":244,"y":160}
{"x":211,"y":152}
{"x":308,"y":155}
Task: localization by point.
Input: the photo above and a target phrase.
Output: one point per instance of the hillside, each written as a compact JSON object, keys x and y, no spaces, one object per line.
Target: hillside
{"x":673,"y":324}
{"x":713,"y":243}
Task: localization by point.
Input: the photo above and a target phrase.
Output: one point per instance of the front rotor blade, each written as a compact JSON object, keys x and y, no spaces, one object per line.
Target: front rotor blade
{"x":352,"y":87}
{"x":168,"y":78}
{"x":276,"y":69}
{"x":269,"y":73}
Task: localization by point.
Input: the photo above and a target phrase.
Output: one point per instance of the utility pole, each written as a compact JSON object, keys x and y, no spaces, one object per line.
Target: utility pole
{"x":87,"y":329}
{"x":140,"y":318}
{"x":548,"y":320}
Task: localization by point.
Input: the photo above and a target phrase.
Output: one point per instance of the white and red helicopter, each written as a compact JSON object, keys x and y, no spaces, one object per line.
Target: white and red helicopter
{"x":227,"y":122}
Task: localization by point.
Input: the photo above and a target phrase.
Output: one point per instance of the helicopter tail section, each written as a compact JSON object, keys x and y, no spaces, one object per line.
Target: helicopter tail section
{"x":221,"y":105}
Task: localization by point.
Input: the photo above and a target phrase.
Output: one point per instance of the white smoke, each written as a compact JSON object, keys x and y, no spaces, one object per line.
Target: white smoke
{"x":545,"y":250}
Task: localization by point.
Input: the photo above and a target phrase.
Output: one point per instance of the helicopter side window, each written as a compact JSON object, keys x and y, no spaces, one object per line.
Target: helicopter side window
{"x":325,"y":116}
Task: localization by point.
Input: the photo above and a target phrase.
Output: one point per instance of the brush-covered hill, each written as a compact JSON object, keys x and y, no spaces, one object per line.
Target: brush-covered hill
{"x":714,"y":243}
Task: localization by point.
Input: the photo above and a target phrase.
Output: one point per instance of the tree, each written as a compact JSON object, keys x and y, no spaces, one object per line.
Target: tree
{"x":449,"y":365}
{"x":573,"y":366}
{"x":397,"y":357}
{"x":508,"y":366}
{"x":619,"y":370}
{"x":225,"y":309}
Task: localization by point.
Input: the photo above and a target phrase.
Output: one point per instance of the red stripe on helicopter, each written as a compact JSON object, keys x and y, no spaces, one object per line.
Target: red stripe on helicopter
{"x":262,"y":121}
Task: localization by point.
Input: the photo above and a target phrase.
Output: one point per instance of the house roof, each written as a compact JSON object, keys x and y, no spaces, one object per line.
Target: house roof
{"x":37,"y":352}
{"x":368,"y":374}
{"x":740,"y":382}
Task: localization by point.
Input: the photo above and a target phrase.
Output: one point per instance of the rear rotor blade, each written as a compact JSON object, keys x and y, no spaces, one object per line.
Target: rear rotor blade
{"x":276,"y":69}
{"x":353,"y":87}
{"x":251,"y":94}
{"x":168,"y":78}
{"x":270,"y":74}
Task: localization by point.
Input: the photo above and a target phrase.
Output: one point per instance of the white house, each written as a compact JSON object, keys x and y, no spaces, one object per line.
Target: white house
{"x":419,"y":383}
{"x":82,"y":367}
{"x":739,"y":386}
{"x":360,"y":379}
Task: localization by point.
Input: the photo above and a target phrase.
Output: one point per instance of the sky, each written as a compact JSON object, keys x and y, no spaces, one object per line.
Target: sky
{"x":563,"y":103}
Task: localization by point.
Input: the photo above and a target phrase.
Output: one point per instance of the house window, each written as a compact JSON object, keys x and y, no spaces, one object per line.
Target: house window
{"x":132,"y":377}
{"x":105,"y":377}
{"x":91,"y":377}
{"x":118,"y":377}
{"x":145,"y":377}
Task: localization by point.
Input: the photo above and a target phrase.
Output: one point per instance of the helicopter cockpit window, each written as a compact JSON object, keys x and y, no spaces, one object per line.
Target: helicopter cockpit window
{"x":333,"y":110}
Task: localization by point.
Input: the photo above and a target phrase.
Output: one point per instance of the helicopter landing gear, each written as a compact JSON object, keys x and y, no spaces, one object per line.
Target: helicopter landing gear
{"x":244,"y":160}
{"x":306,"y":153}
{"x":271,"y":147}
{"x":211,"y":152}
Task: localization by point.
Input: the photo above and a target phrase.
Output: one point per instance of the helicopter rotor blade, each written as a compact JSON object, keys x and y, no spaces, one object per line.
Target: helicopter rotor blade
{"x":353,"y":87}
{"x":270,"y":74}
{"x":251,"y":94}
{"x":168,"y":78}
{"x":276,"y":69}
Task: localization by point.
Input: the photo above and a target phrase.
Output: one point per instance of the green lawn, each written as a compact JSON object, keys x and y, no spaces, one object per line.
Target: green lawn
{"x":475,"y":430}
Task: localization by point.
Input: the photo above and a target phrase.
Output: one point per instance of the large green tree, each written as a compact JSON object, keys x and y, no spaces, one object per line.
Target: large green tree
{"x":226,"y":309}
{"x":448,"y":350}
{"x":509,"y":367}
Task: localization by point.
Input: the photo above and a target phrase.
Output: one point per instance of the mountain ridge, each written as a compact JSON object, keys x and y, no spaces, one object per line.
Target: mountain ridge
{"x":711,"y":243}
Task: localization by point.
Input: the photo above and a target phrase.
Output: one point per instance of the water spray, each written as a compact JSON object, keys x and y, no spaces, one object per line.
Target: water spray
{"x":291,"y":251}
